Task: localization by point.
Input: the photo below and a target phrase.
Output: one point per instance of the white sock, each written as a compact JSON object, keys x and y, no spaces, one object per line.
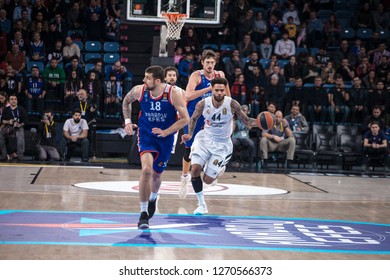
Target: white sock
{"x":200,"y":197}
{"x":144,"y":206}
{"x":184,"y":175}
{"x":153,"y":196}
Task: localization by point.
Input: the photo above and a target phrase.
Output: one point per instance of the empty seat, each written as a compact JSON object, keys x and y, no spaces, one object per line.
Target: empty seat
{"x":364,"y":33}
{"x":110,"y":58}
{"x":210,"y":46}
{"x":228,"y":47}
{"x":111,"y":47}
{"x":348,"y":33}
{"x":79,"y":44}
{"x":88,"y":66}
{"x":92,"y":56}
{"x":93,"y":46}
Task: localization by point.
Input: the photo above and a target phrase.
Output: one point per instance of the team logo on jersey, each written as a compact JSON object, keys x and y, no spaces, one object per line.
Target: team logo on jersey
{"x":224,"y":111}
{"x":160,"y":164}
{"x":165,"y":96}
{"x":215,"y":162}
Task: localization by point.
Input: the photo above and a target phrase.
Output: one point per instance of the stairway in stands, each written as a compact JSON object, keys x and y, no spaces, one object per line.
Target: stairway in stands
{"x":136,"y":48}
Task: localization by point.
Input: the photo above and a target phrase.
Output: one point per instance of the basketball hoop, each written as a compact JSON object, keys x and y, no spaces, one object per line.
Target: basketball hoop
{"x":175,"y":23}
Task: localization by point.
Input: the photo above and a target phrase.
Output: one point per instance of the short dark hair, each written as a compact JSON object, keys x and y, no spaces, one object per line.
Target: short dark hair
{"x":75,"y":111}
{"x":170,"y":68}
{"x":375,"y":122}
{"x":219,"y":80}
{"x":157,"y":71}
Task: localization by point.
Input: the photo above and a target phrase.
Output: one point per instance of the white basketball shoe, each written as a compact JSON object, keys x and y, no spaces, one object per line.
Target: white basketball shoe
{"x":201,"y":210}
{"x":183,"y":189}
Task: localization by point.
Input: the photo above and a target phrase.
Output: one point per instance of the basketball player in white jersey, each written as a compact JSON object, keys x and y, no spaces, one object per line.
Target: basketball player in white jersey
{"x":212,"y":147}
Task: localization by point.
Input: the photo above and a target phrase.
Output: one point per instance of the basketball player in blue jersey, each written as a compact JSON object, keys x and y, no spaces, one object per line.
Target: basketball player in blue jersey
{"x":157,"y":124}
{"x":213,"y":147}
{"x":198,"y":88}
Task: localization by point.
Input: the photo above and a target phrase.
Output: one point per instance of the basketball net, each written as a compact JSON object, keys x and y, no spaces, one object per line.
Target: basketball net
{"x":175,"y":22}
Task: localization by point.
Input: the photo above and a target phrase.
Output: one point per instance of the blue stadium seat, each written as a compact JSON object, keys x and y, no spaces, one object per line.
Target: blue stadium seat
{"x":88,"y":66}
{"x":92,"y":56}
{"x":300,"y":50}
{"x":265,"y":62}
{"x":110,"y":58}
{"x":80,"y":44}
{"x":348,"y":33}
{"x":39,"y":64}
{"x":384,"y":34}
{"x":93,"y":46}
{"x":228,"y":47}
{"x":107,"y":70}
{"x":210,"y":46}
{"x":283,"y":62}
{"x":364,"y":33}
{"x":111,"y":47}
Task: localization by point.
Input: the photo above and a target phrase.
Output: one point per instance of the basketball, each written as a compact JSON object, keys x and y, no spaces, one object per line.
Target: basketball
{"x":265,"y":120}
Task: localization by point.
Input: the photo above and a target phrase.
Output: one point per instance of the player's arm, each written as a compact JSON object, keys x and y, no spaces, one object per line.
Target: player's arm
{"x":236,"y":108}
{"x":194,"y":118}
{"x":133,"y":95}
{"x":193,"y":81}
{"x":180,"y":106}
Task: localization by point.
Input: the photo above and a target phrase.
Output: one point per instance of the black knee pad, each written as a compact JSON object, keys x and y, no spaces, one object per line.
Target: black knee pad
{"x":197,"y":184}
{"x":186,"y":155}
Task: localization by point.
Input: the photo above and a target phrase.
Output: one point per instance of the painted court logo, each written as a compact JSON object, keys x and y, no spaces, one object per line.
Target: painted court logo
{"x":189,"y":231}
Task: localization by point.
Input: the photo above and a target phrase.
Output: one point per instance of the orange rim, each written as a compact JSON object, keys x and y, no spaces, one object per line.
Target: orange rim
{"x":174,"y":17}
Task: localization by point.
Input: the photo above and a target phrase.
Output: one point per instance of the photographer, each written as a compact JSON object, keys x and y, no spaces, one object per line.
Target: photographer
{"x":12,"y":133}
{"x":85,"y":105}
{"x":46,"y":148}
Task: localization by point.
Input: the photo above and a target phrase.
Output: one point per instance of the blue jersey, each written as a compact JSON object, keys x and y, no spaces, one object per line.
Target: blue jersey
{"x":204,"y":83}
{"x":35,"y":86}
{"x":156,"y":112}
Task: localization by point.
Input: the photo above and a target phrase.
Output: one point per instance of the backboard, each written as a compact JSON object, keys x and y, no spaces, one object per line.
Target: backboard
{"x":199,"y":12}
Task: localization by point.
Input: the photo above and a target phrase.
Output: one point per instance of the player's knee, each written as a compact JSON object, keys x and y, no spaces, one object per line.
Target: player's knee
{"x":208,"y":180}
{"x":186,"y":155}
{"x":146,"y":171}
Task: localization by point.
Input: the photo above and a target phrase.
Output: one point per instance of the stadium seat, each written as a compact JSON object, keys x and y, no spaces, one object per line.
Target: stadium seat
{"x":210,"y":46}
{"x":228,"y":47}
{"x":111,"y":47}
{"x":364,"y":33}
{"x":265,"y":62}
{"x":80,"y":44}
{"x":92,"y":56}
{"x":39,"y":64}
{"x":93,"y":46}
{"x":88,"y":66}
{"x":107,"y":70}
{"x":384,"y":34}
{"x":347,"y":33}
{"x":299,"y":51}
{"x":110,"y":58}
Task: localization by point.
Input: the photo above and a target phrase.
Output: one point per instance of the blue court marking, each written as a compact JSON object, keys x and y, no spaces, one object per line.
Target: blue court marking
{"x":189,"y":231}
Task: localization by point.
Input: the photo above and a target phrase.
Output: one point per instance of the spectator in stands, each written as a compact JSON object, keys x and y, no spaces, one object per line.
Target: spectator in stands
{"x":364,"y":67}
{"x":240,"y":7}
{"x":246,"y":24}
{"x":13,"y":85}
{"x":54,"y":77}
{"x":369,"y":81}
{"x":60,"y":24}
{"x":344,"y":53}
{"x":314,"y":31}
{"x":266,"y":48}
{"x":383,"y":68}
{"x":374,"y":143}
{"x":39,"y":7}
{"x":310,"y":70}
{"x":256,"y":77}
{"x":56,"y":7}
{"x":190,"y":42}
{"x":379,"y":52}
{"x":3,"y":104}
{"x":381,"y":17}
{"x":317,"y":102}
{"x":242,"y":143}
{"x":13,"y":120}
{"x":186,"y":67}
{"x":46,"y":148}
{"x":275,"y":69}
{"x":72,"y":85}
{"x":332,"y":30}
{"x":74,"y":65}
{"x":178,"y":55}
{"x":339,"y":101}
{"x":275,"y":10}
{"x":113,"y":94}
{"x":75,"y":132}
{"x":291,"y":28}
{"x":275,"y":92}
{"x":279,"y":138}
{"x":246,"y":46}
{"x":379,"y":97}
{"x":302,"y":35}
{"x":238,"y":89}
{"x":16,"y":59}
{"x":17,"y":14}
{"x":328,"y":73}
{"x":18,"y":40}
{"x":260,"y":29}
{"x":284,"y":47}
{"x":98,"y":69}
{"x":52,"y":36}
{"x":93,"y":7}
{"x":248,"y":67}
{"x":37,"y":51}
{"x":111,"y":30}
{"x":74,"y":16}
{"x":113,"y":9}
{"x":219,"y":63}
{"x":296,"y":121}
{"x":376,"y":116}
{"x":257,"y":101}
{"x":26,"y":21}
{"x":358,"y":101}
{"x":363,"y":17}
{"x":296,"y":95}
{"x":94,"y":89}
{"x":291,"y":12}
{"x":94,"y":27}
{"x":35,"y":91}
{"x":38,"y":27}
{"x":227,"y":33}
{"x":70,"y":50}
{"x":275,"y":28}
{"x":85,"y":105}
{"x":232,"y":64}
{"x":56,"y":51}
{"x":292,"y":69}
{"x":345,"y":71}
{"x":5,"y":23}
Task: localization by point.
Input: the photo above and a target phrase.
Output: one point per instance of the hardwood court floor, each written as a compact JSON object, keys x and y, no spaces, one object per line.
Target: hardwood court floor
{"x":50,"y":188}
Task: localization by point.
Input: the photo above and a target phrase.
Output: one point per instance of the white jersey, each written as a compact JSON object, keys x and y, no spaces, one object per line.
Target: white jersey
{"x":218,"y":121}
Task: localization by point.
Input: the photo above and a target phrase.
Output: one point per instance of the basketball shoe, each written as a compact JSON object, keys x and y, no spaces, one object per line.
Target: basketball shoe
{"x":201,"y":210}
{"x":152,"y":207}
{"x":183,"y":189}
{"x":143,"y":222}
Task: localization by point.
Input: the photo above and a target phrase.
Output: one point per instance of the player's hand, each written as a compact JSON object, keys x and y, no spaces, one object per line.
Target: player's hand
{"x":185,"y":137}
{"x":129,"y":128}
{"x":159,"y":132}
